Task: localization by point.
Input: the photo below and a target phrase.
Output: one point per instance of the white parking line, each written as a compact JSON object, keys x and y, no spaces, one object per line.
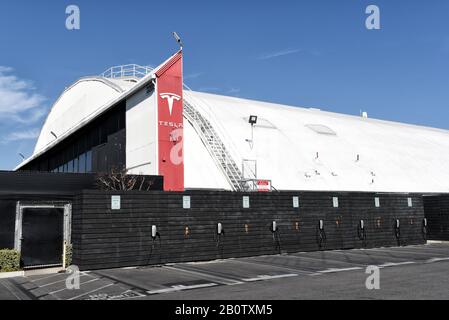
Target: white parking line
{"x":436,"y":260}
{"x":204,"y":275}
{"x":274,"y":265}
{"x":333,"y":270}
{"x":81,"y":284}
{"x":320,"y":259}
{"x":181,"y":288}
{"x":399,"y":250}
{"x":44,"y":278}
{"x":85,"y":294}
{"x":425,"y":251}
{"x":394,"y":264}
{"x":63,"y":280}
{"x":265,"y":277}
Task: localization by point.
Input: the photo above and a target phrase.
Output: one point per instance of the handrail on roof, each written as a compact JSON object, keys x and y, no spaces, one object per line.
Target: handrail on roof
{"x":127,"y":71}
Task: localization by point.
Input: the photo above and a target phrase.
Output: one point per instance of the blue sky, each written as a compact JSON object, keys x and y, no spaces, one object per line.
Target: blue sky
{"x":314,"y":53}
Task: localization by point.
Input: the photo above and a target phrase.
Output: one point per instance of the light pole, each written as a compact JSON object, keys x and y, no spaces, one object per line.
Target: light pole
{"x":178,"y":39}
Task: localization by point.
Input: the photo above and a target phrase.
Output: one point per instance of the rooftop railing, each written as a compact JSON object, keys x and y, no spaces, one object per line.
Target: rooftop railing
{"x":127,"y":71}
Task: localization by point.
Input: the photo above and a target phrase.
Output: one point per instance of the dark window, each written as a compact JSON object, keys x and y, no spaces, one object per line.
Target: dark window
{"x":79,"y":152}
{"x":70,"y":166}
{"x":82,"y":163}
{"x":75,"y":165}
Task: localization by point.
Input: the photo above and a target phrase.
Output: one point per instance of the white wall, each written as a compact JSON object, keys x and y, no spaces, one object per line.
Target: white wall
{"x":74,"y":106}
{"x":141,"y":133}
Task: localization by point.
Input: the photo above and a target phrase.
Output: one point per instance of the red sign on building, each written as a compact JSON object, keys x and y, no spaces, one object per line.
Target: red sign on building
{"x":171,"y":123}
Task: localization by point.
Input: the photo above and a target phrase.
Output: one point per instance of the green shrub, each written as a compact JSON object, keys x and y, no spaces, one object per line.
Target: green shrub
{"x":9,"y":260}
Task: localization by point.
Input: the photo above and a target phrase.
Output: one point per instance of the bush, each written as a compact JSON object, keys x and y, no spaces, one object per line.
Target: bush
{"x":9,"y":260}
{"x":68,"y":255}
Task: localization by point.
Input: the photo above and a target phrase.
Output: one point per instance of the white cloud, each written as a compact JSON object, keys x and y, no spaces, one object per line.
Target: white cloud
{"x":278,"y":54}
{"x":18,"y":101}
{"x":20,"y":135}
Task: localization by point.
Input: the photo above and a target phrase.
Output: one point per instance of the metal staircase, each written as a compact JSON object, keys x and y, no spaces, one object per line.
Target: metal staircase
{"x":214,"y":145}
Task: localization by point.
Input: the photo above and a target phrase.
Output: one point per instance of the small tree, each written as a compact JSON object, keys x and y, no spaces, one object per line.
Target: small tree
{"x":120,"y":180}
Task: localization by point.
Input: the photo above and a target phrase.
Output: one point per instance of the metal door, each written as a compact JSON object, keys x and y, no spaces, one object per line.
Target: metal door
{"x":42,"y":237}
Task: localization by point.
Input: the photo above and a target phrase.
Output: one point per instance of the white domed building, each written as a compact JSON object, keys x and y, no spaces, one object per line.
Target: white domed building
{"x":146,"y":121}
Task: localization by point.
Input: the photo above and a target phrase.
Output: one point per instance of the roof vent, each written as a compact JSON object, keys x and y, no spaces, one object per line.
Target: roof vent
{"x":321,"y":129}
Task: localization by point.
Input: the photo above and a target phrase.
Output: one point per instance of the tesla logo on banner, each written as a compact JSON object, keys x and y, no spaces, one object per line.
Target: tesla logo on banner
{"x":171,"y":97}
{"x":171,"y":123}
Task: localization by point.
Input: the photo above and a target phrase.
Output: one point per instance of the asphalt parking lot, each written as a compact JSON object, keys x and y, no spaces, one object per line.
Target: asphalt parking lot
{"x":414,"y":272}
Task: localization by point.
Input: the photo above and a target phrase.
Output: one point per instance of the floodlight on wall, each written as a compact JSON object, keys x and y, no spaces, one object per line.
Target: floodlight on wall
{"x":178,"y":39}
{"x":252,"y":121}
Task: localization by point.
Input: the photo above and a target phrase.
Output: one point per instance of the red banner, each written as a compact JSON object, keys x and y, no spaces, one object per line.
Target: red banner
{"x":171,"y":123}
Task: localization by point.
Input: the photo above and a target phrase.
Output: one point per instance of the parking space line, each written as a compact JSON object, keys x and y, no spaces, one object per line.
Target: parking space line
{"x":85,"y":294}
{"x":394,"y":264}
{"x":181,"y":288}
{"x":44,"y":278}
{"x":295,"y":270}
{"x":318,"y":259}
{"x":90,"y":281}
{"x":401,"y":250}
{"x":358,"y":252}
{"x":334,"y":270}
{"x":266,"y":277}
{"x":432,"y":260}
{"x":11,"y":289}
{"x":201,"y":274}
{"x":63,"y":280}
{"x":444,"y":248}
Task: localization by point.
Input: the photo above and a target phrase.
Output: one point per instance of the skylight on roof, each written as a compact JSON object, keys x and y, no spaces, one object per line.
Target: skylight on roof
{"x":321,"y":129}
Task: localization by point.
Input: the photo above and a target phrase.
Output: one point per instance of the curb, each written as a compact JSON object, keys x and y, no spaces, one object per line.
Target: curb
{"x":15,"y":274}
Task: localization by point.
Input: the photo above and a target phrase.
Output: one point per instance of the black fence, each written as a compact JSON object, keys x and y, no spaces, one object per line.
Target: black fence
{"x":437,"y":214}
{"x":34,"y":187}
{"x":105,"y":238}
{"x":42,"y":187}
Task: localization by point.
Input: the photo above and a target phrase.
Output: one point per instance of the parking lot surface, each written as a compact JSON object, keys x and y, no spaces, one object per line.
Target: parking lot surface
{"x":414,"y":272}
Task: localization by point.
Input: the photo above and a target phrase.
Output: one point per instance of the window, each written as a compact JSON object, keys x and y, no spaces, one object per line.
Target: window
{"x":75,"y":165}
{"x":89,"y":161}
{"x":70,"y":166}
{"x":82,"y":163}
